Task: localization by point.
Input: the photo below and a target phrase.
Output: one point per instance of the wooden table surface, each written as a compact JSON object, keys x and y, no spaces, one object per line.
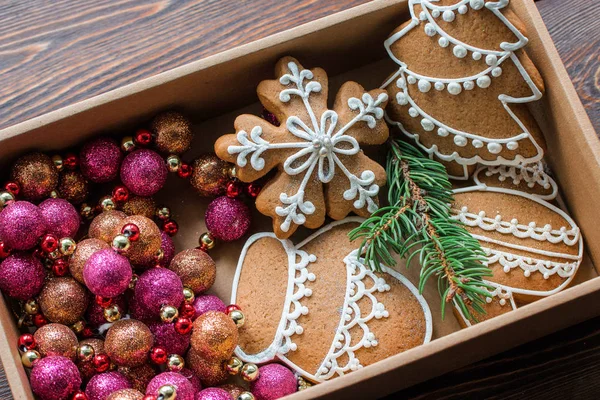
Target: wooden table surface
{"x":54,"y":53}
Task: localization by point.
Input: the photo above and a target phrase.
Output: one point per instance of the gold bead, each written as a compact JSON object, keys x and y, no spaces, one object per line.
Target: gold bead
{"x":54,"y":194}
{"x":112,"y":313}
{"x":173,"y":163}
{"x":121,"y":243}
{"x":163,"y":213}
{"x":29,"y":358}
{"x":234,"y":365}
{"x":160,"y":254}
{"x":67,"y":246}
{"x":238,"y":318}
{"x":168,"y":313}
{"x":58,"y":162}
{"x":133,"y":282}
{"x":55,"y":255}
{"x":78,"y":326}
{"x":107,"y":203}
{"x":249,"y":372}
{"x":188,"y":295}
{"x":175,"y":363}
{"x":167,"y":392}
{"x":5,"y":198}
{"x":127,"y":144}
{"x":86,"y":211}
{"x":31,"y":307}
{"x":85,"y":352}
{"x":207,"y":241}
{"x":303,"y":384}
{"x":232,"y":172}
{"x":246,"y":396}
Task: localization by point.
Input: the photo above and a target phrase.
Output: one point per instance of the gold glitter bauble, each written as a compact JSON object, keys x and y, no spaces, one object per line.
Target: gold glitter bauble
{"x":126,"y":394}
{"x":233,"y":390}
{"x":214,"y":336}
{"x":63,"y":300}
{"x":196,"y":269}
{"x":143,"y":250}
{"x":137,"y":205}
{"x":73,"y":187}
{"x":173,"y":133}
{"x":36,"y":175}
{"x":138,"y":376}
{"x":84,"y":251}
{"x":211,"y":373}
{"x":128,"y":342}
{"x":210,"y":175}
{"x":56,"y":340}
{"x":105,"y":225}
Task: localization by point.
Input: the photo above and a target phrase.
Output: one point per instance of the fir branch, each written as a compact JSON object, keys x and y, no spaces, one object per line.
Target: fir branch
{"x":418,"y":225}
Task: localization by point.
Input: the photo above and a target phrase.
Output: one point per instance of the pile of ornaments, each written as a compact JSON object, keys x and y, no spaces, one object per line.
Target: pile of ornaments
{"x":109,"y":310}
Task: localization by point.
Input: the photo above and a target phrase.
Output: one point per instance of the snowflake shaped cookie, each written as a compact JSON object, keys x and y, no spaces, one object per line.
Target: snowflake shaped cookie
{"x":321,"y":169}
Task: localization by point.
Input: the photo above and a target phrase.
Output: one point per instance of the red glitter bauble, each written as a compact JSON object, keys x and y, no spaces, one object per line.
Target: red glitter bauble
{"x":253,"y":189}
{"x":4,"y":250}
{"x":87,"y":332}
{"x":104,"y":302}
{"x":101,"y":362}
{"x":60,"y":267}
{"x":187,"y":311}
{"x":79,"y":395}
{"x":143,"y":137}
{"x":26,"y":342}
{"x":49,"y":243}
{"x":158,"y":355}
{"x":131,"y":231}
{"x":233,"y":189}
{"x":71,"y":161}
{"x":183,"y":326}
{"x":120,"y":194}
{"x":39,"y":320}
{"x":232,"y":307}
{"x":170,"y":228}
{"x":13,"y":188}
{"x":185,"y":170}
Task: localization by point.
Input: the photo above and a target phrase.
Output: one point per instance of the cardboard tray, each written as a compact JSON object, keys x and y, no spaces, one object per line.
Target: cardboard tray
{"x":349,"y":45}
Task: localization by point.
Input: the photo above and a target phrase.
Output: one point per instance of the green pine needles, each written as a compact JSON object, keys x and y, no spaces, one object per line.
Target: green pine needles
{"x":417,"y":225}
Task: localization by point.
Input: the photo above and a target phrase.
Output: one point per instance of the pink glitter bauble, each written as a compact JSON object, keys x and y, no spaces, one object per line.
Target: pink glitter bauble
{"x":227,"y":218}
{"x":21,"y":276}
{"x":157,"y":287}
{"x":54,"y":378}
{"x":213,"y":394}
{"x":193,"y":378}
{"x":168,"y":248}
{"x":100,"y":160}
{"x":107,"y":273}
{"x":183,"y":387}
{"x":102,"y":385}
{"x":168,"y":338}
{"x":21,"y":225}
{"x":95,"y":312}
{"x":138,"y":311}
{"x":144,"y":172}
{"x":61,"y":218}
{"x":208,"y":302}
{"x":274,"y":381}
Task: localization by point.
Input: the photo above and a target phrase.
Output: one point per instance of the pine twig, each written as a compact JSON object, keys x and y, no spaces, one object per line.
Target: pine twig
{"x":418,"y":223}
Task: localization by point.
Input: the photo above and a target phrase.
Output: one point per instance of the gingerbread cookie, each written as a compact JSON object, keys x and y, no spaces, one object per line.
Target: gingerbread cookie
{"x":321,"y":169}
{"x":533,"y":248}
{"x":318,"y":309}
{"x":500,"y":301}
{"x":462,"y":85}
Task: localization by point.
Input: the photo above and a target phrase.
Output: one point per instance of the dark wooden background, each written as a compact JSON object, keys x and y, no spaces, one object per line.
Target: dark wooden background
{"x":55,"y":53}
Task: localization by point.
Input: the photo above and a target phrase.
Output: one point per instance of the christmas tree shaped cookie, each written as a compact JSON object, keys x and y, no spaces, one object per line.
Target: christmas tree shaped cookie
{"x":463,"y":83}
{"x":321,"y":169}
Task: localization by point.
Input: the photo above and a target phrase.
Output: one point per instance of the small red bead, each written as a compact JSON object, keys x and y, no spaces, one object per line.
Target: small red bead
{"x":79,"y":395}
{"x":131,"y":231}
{"x":158,"y":355}
{"x":49,"y":243}
{"x":101,"y":362}
{"x":71,"y":161}
{"x":253,"y":189}
{"x":143,"y":137}
{"x":233,"y":189}
{"x":26,"y":342}
{"x":187,"y":311}
{"x":104,"y":302}
{"x":13,"y":188}
{"x":60,"y":267}
{"x":4,"y":250}
{"x":185,"y":171}
{"x":150,"y":397}
{"x":170,"y":227}
{"x":87,"y":332}
{"x":232,"y":307}
{"x":39,"y":320}
{"x":183,"y":326}
{"x":120,"y":194}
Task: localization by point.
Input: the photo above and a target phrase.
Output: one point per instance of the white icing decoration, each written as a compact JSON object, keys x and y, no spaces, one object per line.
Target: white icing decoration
{"x":482,"y":80}
{"x":532,"y":175}
{"x":469,"y":85}
{"x":361,"y":284}
{"x":448,"y":16}
{"x":412,"y":80}
{"x":423,"y":16}
{"x":430,"y":30}
{"x":320,"y":145}
{"x":494,"y":148}
{"x":463,"y":9}
{"x":435,"y":13}
{"x":442,"y":132}
{"x":491,"y":59}
{"x":530,"y":264}
{"x":512,"y":145}
{"x":454,"y":88}
{"x":459,"y":51}
{"x":460,"y":141}
{"x":503,"y":294}
{"x":496,"y":72}
{"x":477,"y":143}
{"x":424,"y":85}
{"x":401,"y":99}
{"x":413,"y":112}
{"x":427,"y":125}
{"x":439,"y":86}
{"x":443,"y":42}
